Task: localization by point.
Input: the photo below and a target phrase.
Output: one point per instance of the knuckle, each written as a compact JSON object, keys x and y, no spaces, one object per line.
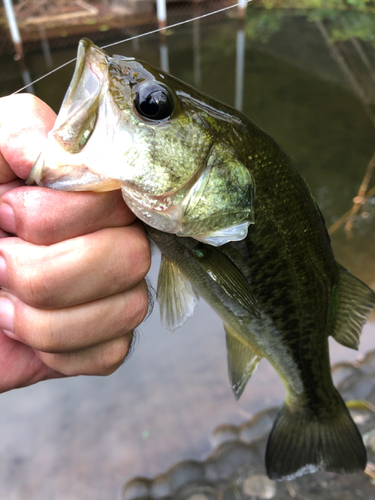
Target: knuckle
{"x":144,"y":256}
{"x":47,"y":338}
{"x":101,"y":361}
{"x":33,"y":290}
{"x":114,"y":355}
{"x":26,"y":274}
{"x":138,"y":254}
{"x":140,"y":304}
{"x":27,"y":206}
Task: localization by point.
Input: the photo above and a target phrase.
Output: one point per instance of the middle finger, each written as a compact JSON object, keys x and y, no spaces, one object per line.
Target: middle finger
{"x":75,"y":271}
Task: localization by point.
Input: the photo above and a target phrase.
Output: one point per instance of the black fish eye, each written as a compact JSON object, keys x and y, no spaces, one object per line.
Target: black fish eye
{"x":154,"y":102}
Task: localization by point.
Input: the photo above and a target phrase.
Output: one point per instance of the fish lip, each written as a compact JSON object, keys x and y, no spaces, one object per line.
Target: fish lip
{"x":87,"y":84}
{"x":82,"y":51}
{"x":88,"y":55}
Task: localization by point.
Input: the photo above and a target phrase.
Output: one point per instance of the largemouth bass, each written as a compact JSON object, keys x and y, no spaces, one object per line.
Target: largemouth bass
{"x":236,"y":224}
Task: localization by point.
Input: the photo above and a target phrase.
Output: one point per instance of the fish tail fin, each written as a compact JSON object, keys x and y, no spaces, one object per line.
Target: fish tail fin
{"x":302,"y":442}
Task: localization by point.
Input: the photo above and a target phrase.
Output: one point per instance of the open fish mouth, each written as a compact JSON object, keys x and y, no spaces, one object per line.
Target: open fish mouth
{"x":78,"y":112}
{"x":60,"y":178}
{"x":74,"y":124}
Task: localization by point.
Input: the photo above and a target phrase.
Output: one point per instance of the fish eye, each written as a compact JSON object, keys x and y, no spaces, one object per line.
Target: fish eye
{"x":154,"y":102}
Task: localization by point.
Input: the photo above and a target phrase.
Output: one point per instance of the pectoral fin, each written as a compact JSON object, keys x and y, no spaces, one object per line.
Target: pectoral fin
{"x":242,"y":361}
{"x":176,"y":297}
{"x":355,"y":302}
{"x":233,"y":233}
{"x":227,"y":275}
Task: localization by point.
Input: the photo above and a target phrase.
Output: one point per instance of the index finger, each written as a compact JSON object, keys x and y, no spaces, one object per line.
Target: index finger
{"x":25,"y":122}
{"x":44,"y":217}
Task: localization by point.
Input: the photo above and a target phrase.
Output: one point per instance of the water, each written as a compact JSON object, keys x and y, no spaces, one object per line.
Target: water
{"x":84,"y":437}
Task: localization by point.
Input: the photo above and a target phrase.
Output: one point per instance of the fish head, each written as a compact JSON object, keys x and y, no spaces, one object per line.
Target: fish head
{"x":127,"y":125}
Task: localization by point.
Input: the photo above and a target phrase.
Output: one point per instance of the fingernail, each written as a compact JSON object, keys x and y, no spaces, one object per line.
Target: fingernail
{"x":6,"y":314}
{"x":3,"y":273}
{"x":7,"y":219}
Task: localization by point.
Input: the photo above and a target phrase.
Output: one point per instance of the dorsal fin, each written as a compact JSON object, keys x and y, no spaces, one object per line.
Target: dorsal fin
{"x":356,"y":301}
{"x":242,"y":361}
{"x":176,"y":297}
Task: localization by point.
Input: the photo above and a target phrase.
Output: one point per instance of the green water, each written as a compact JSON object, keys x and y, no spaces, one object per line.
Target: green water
{"x":82,"y":438}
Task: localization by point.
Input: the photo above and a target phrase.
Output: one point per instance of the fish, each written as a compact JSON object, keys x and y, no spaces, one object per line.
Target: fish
{"x":236,"y":224}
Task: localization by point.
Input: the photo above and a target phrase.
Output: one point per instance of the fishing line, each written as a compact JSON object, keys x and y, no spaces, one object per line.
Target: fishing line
{"x":44,"y":76}
{"x":133,"y":38}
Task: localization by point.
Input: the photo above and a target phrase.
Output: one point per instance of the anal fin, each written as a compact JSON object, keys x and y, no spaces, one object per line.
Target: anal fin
{"x":177,"y":298}
{"x":356,"y":301}
{"x":242,"y":361}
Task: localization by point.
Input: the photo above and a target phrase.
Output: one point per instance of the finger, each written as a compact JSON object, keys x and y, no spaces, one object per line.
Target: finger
{"x":102,"y":359}
{"x":43,"y":216}
{"x":19,"y":366}
{"x":75,"y":271}
{"x":76,"y":327}
{"x":6,"y":173}
{"x":25,"y":122}
{"x":4,"y":188}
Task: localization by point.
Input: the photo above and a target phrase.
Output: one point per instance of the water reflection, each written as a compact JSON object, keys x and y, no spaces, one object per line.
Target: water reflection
{"x":197,"y":54}
{"x":26,"y":77}
{"x":363,"y":204}
{"x":84,"y":437}
{"x":240,"y":67}
{"x":45,"y":48}
{"x":366,"y":97}
{"x":164,"y":58}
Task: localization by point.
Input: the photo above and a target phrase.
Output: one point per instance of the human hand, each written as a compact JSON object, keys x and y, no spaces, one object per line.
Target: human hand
{"x":72,"y":265}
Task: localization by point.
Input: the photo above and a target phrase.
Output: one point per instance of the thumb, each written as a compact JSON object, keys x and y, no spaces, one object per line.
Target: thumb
{"x":25,"y":121}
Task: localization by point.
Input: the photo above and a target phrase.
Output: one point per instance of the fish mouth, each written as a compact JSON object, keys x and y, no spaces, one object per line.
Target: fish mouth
{"x":79,"y":107}
{"x":77,"y":116}
{"x":61,"y":178}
